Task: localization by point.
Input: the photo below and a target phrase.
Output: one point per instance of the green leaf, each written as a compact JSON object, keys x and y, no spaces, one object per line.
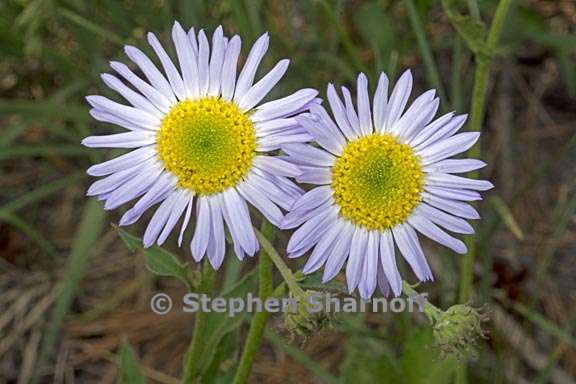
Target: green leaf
{"x":158,"y":260}
{"x":130,"y":372}
{"x":219,"y":325}
{"x":472,"y":31}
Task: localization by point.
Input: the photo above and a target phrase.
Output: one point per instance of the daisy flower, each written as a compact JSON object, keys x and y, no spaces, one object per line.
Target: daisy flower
{"x":201,"y":142}
{"x":383,"y":174}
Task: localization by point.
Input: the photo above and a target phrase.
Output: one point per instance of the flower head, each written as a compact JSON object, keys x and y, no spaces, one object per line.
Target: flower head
{"x":383,"y":173}
{"x":201,"y":141}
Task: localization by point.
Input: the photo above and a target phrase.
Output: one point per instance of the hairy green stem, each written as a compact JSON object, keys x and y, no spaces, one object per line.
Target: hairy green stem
{"x":259,"y":319}
{"x":195,"y":349}
{"x":481,"y":78}
{"x":286,"y":273}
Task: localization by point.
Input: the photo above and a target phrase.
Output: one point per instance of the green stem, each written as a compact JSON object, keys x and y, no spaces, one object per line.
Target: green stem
{"x":481,"y":78}
{"x":431,"y":310}
{"x":195,"y":349}
{"x":259,"y":319}
{"x":286,"y":273}
{"x":431,"y":69}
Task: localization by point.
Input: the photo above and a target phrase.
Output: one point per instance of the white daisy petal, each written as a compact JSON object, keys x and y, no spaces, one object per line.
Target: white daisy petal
{"x":380,"y":103}
{"x":259,"y":90}
{"x":442,"y":128}
{"x":159,"y":220}
{"x":432,"y":231}
{"x":368,"y":281}
{"x":154,"y":76}
{"x":171,"y":72}
{"x":383,"y":284}
{"x":155,"y":97}
{"x":203,"y":63}
{"x":193,"y":41}
{"x":121,"y":140}
{"x":355,"y":265}
{"x":307,"y":154}
{"x":188,"y":61}
{"x":456,"y":208}
{"x":308,"y":234}
{"x":445,"y":180}
{"x":443,"y":219}
{"x":107,"y":117}
{"x":351,"y":112}
{"x":324,"y":248}
{"x":115,"y":180}
{"x":164,"y":186}
{"x":181,"y":202}
{"x":120,"y":163}
{"x":388,"y":262}
{"x":276,"y":166}
{"x":455,"y":166}
{"x":217,"y":244}
{"x":322,"y":135}
{"x":136,"y":99}
{"x":296,"y":218}
{"x":201,"y":237}
{"x":248,"y":72}
{"x":364,"y":113}
{"x":398,"y":100}
{"x":216,"y":61}
{"x":339,"y":112}
{"x":409,"y":246}
{"x":125,"y":112}
{"x":445,"y":148}
{"x":133,"y":188}
{"x":454,"y":193}
{"x":186,"y":218}
{"x":285,"y":106}
{"x":238,"y":220}
{"x":277,"y":126}
{"x":229,"y":67}
{"x":314,"y":175}
{"x":339,"y":254}
{"x":418,"y":115}
{"x":312,"y":198}
{"x":261,"y":202}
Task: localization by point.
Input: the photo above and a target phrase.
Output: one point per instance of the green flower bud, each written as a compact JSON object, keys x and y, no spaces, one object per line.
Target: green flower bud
{"x":303,"y":321}
{"x":457,"y":330}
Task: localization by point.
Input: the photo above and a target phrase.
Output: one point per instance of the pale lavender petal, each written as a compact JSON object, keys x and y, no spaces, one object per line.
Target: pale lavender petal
{"x":120,"y":163}
{"x":354,"y":268}
{"x":455,"y":166}
{"x":308,"y":154}
{"x":171,"y":72}
{"x":388,"y":262}
{"x":364,"y":113}
{"x":259,"y":90}
{"x":409,"y":246}
{"x":201,"y":237}
{"x":380,"y":103}
{"x":248,"y":72}
{"x":121,"y":140}
{"x":229,"y":68}
{"x":398,"y":100}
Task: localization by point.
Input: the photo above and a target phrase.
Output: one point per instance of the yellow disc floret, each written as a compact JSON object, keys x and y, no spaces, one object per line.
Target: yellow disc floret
{"x":209,"y":144}
{"x":377,"y":181}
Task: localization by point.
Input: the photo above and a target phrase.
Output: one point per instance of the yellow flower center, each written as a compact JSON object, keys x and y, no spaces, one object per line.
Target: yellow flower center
{"x":209,"y":144}
{"x":377,"y":181}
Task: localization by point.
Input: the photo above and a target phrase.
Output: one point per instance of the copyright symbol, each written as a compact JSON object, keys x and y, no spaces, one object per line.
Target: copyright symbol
{"x":160,"y":303}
